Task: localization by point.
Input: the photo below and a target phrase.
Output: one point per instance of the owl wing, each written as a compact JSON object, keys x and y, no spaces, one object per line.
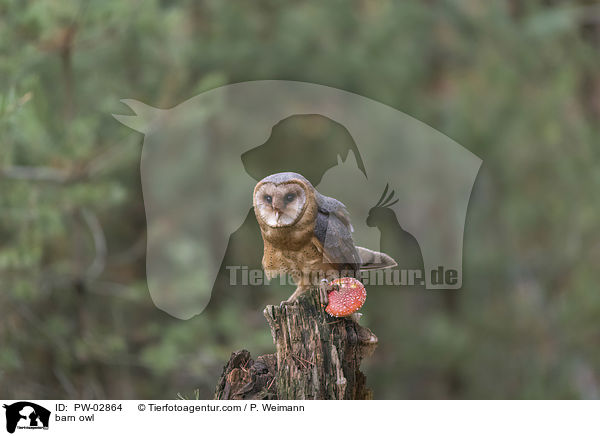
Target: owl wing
{"x":333,"y":231}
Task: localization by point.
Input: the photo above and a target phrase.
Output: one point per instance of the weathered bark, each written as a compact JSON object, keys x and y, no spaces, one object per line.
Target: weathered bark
{"x":317,"y":356}
{"x":246,"y":379}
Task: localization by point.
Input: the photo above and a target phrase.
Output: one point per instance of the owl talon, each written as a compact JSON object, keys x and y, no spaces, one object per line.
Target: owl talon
{"x":288,"y":302}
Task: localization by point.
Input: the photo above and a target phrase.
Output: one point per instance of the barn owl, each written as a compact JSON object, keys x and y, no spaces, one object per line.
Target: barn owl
{"x":307,"y":235}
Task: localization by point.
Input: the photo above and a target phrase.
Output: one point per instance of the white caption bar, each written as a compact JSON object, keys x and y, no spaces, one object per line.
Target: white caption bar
{"x":301,"y":417}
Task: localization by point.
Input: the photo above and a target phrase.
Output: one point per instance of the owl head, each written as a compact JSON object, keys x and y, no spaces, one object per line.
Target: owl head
{"x":280,"y":199}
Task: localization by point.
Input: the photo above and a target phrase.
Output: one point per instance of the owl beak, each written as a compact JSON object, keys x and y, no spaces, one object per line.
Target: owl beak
{"x":277,"y":213}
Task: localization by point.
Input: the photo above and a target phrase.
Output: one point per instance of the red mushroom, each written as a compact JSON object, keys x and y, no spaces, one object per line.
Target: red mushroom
{"x":348,"y":295}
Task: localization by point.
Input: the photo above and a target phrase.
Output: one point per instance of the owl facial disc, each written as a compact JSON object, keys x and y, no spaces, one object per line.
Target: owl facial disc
{"x":280,"y":205}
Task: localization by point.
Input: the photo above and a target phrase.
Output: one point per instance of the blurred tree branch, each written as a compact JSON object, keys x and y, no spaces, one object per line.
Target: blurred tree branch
{"x":78,"y":171}
{"x":37,"y":174}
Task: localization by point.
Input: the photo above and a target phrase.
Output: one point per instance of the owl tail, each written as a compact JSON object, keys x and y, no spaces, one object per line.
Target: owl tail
{"x":371,"y":260}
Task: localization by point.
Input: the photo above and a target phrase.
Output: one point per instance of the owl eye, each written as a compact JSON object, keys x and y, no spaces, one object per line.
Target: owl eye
{"x":289,"y":198}
{"x":268,"y":198}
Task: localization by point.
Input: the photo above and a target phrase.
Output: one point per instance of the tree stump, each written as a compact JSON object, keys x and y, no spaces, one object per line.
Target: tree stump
{"x":317,"y":356}
{"x":246,"y":379}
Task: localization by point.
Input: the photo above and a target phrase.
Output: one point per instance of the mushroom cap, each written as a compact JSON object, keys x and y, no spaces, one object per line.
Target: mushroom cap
{"x":348,"y":295}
